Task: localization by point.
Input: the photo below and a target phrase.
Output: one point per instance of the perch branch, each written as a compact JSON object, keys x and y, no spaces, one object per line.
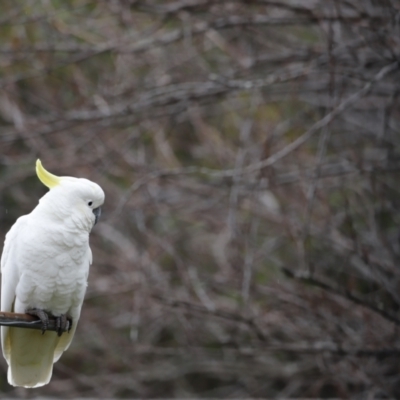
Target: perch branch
{"x":16,"y":320}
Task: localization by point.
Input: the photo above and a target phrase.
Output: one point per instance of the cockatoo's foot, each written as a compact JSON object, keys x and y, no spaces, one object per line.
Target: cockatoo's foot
{"x":42,"y":315}
{"x":62,"y":323}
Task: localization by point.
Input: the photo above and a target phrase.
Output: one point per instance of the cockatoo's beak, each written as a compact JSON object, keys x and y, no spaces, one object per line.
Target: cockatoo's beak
{"x":97,"y":213}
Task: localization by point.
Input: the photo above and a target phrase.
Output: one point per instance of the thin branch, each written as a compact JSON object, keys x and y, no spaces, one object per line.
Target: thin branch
{"x":17,"y":320}
{"x":307,"y":278}
{"x":320,"y":124}
{"x":216,"y":313}
{"x":316,"y":347}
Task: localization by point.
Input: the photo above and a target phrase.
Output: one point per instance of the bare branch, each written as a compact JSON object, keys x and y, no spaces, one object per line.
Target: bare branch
{"x":16,"y":320}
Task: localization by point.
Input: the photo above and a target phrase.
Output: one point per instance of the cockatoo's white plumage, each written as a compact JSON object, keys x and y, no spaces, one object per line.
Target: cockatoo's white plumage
{"x":45,"y":265}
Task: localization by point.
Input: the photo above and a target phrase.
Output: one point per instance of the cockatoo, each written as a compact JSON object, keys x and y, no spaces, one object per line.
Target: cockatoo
{"x":45,"y":265}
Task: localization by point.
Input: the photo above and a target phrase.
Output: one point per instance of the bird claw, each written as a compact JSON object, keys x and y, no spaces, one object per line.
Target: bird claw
{"x":63,"y":322}
{"x":69,"y":319}
{"x":42,"y":315}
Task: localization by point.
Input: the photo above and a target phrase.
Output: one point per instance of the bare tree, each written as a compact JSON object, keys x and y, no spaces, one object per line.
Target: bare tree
{"x":249,"y":151}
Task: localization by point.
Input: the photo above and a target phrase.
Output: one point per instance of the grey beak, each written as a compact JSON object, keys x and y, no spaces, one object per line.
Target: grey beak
{"x":97,"y":213}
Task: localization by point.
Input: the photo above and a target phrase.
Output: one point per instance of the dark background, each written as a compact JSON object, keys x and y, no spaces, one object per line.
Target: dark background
{"x":249,"y":151}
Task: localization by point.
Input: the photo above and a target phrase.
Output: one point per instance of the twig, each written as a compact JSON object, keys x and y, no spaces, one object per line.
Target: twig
{"x":319,"y":124}
{"x":16,"y":320}
{"x":307,"y":278}
{"x":216,"y":313}
{"x":326,"y":171}
{"x":316,"y":347}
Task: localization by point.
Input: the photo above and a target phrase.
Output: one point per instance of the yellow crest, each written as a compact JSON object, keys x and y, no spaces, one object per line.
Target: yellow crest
{"x":46,"y":177}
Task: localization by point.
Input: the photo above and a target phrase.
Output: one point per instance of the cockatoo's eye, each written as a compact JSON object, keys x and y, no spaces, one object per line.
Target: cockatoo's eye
{"x":90,"y":203}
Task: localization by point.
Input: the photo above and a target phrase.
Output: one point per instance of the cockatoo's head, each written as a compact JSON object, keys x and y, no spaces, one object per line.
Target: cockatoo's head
{"x":77,"y":198}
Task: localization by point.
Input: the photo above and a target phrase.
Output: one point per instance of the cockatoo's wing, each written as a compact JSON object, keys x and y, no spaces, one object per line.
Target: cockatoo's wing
{"x":65,"y":340}
{"x":17,"y":344}
{"x":9,"y":280}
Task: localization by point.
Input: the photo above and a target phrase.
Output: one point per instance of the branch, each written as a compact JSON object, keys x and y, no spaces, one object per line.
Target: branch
{"x":333,"y":349}
{"x":307,"y":278}
{"x":250,"y":322}
{"x":16,"y":320}
{"x":343,"y":106}
{"x":310,"y":348}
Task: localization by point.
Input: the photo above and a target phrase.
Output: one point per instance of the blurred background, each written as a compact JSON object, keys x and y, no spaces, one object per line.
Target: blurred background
{"x":250,"y":153}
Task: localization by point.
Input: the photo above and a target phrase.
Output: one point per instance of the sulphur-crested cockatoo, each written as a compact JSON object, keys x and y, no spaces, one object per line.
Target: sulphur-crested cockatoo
{"x":45,"y":266}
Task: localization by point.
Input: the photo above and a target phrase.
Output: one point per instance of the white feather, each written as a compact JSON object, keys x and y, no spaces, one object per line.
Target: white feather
{"x":45,"y":265}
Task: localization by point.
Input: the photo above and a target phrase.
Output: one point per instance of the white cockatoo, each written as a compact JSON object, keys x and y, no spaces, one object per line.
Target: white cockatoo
{"x":45,"y":265}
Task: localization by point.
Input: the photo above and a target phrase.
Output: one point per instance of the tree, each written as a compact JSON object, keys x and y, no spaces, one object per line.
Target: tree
{"x":249,"y":152}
